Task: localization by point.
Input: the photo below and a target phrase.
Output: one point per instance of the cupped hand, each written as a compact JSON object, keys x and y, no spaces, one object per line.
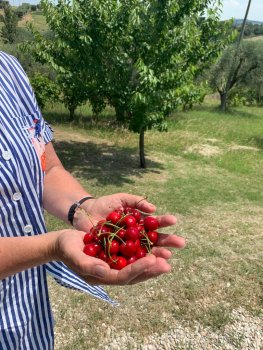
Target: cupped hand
{"x":97,"y":209}
{"x":68,"y":247}
{"x":96,"y":271}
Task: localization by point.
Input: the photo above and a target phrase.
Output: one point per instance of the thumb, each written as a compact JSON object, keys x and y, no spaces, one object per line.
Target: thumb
{"x":90,"y":266}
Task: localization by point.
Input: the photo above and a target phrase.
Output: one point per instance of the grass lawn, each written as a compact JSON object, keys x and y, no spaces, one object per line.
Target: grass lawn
{"x":207,"y":170}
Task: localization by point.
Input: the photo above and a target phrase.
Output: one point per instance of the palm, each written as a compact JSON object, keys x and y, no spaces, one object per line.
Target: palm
{"x":98,"y":209}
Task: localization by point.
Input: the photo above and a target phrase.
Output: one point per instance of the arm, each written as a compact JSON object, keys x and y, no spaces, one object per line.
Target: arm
{"x":61,"y":190}
{"x":21,"y":253}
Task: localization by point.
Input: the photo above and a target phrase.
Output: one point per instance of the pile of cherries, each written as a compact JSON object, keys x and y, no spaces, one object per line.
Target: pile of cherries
{"x":122,"y":238}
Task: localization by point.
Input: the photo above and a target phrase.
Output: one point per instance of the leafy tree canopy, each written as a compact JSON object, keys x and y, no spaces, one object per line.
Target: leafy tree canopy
{"x":248,"y":65}
{"x":139,"y":56}
{"x":9,"y":29}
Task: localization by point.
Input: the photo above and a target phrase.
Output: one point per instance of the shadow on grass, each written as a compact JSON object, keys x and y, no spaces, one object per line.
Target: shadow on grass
{"x":237,"y":112}
{"x":107,"y":165}
{"x":243,"y":113}
{"x":83,"y":121}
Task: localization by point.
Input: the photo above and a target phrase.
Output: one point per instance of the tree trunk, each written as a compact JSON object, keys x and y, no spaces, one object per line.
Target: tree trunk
{"x":141,"y":147}
{"x":232,"y":77}
{"x":71,"y":113}
{"x":223,"y":99}
{"x":120,"y":113}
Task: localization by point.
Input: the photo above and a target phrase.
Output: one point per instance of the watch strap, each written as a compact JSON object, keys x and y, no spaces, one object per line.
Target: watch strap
{"x":75,"y":206}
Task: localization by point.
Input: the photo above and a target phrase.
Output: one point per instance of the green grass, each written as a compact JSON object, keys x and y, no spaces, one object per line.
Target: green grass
{"x":207,"y":169}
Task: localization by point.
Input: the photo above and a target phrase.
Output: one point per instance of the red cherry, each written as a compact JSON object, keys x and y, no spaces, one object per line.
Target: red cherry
{"x":103,"y":232}
{"x":131,"y":260}
{"x":128,"y":248}
{"x":136,"y":214}
{"x":129,"y":221}
{"x":153,"y":236}
{"x":121,"y":234}
{"x":127,"y":210}
{"x":119,"y":263}
{"x":103,"y":256}
{"x":140,"y":230}
{"x":88,"y":238}
{"x":113,"y":247}
{"x":132,"y":233}
{"x":101,"y":222}
{"x":90,"y":249}
{"x":141,"y":253}
{"x":113,"y":217}
{"x":150,"y":223}
{"x":137,"y":244}
{"x":98,"y":248}
{"x":96,"y":238}
{"x":93,"y":230}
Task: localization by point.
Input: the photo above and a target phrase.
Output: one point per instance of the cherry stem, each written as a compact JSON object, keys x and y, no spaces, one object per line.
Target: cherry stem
{"x":149,"y":242}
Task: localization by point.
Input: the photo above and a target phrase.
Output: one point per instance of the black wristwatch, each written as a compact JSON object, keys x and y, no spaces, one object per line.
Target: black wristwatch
{"x":75,"y":206}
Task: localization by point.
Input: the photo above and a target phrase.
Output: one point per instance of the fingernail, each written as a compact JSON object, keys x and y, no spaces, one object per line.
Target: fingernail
{"x":151,"y":205}
{"x":99,"y":271}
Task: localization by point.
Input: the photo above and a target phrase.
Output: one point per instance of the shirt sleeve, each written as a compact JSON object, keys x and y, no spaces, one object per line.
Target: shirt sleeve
{"x":47,"y":131}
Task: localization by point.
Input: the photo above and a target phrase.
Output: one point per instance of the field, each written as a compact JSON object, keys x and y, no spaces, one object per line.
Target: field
{"x":207,"y":170}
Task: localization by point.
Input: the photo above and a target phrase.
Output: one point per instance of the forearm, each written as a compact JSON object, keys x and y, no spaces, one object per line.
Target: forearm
{"x":21,"y":253}
{"x":61,"y":189}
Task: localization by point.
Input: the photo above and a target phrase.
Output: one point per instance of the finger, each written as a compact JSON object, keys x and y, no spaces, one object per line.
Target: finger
{"x":136,"y":269}
{"x":161,"y":253}
{"x":138,"y":202}
{"x":172,"y":241}
{"x":166,"y":220}
{"x":107,"y":276}
{"x":160,"y":267}
{"x":86,"y":265}
{"x":96,"y":272}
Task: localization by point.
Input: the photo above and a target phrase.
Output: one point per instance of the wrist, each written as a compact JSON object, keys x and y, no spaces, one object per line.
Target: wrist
{"x":75,"y":206}
{"x":84,"y":217}
{"x":51,"y":246}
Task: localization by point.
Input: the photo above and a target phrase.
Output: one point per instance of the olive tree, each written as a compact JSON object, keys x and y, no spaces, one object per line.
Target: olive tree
{"x":248,"y":60}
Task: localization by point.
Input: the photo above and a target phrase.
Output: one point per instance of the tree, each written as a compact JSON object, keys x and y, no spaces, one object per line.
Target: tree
{"x":141,"y":57}
{"x":33,"y":8}
{"x":23,"y":9}
{"x":247,"y":60}
{"x":250,"y":86}
{"x":235,"y":64}
{"x":3,"y":3}
{"x":10,"y":20}
{"x":46,"y":90}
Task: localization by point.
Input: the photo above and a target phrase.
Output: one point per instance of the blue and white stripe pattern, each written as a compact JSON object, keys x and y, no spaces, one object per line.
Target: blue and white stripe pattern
{"x":26,"y":320}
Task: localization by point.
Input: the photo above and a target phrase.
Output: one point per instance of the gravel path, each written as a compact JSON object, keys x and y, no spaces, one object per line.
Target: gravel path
{"x":244,"y":333}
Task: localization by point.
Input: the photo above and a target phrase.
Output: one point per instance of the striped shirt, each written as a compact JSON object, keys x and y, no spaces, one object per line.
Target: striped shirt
{"x":26,"y":320}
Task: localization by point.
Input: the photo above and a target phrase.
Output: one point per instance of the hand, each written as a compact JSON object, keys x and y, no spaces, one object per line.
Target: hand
{"x":97,"y":209}
{"x":68,"y":247}
{"x":143,"y":269}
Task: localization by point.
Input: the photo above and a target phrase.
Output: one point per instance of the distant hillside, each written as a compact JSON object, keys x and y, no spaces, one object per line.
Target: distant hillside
{"x":239,"y":21}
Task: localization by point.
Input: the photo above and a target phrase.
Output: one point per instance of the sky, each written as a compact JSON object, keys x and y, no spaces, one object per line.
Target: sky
{"x":231,"y":8}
